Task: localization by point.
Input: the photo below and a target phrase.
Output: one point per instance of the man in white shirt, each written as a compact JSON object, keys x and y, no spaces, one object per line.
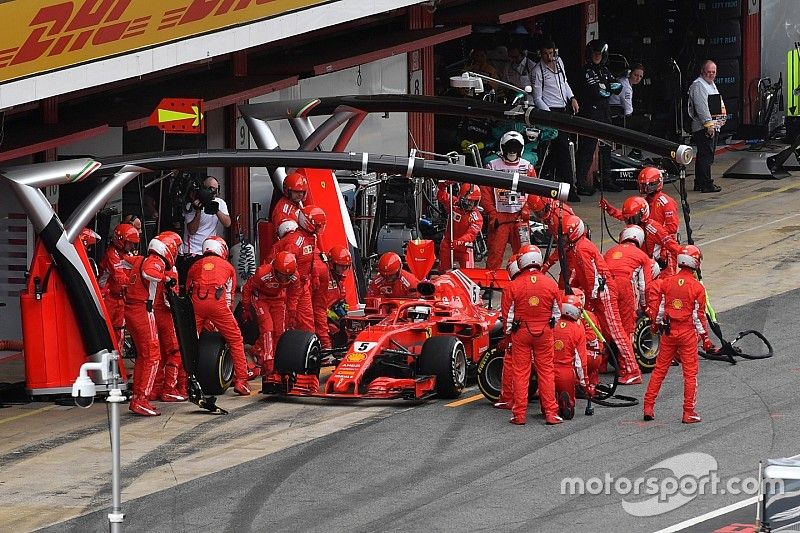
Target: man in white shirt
{"x":551,"y":92}
{"x":706,"y":123}
{"x":201,"y":217}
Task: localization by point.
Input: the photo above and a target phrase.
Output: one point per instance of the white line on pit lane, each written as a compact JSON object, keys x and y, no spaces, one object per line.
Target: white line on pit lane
{"x":748,"y":229}
{"x":713,"y":514}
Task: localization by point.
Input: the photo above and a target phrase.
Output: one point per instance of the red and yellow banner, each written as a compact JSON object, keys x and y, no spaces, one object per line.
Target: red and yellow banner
{"x":43,"y":35}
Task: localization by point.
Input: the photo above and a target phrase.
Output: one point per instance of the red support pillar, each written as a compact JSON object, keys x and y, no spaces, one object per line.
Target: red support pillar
{"x":237,"y":179}
{"x":49,"y":111}
{"x":420,"y":75}
{"x":751,"y":56}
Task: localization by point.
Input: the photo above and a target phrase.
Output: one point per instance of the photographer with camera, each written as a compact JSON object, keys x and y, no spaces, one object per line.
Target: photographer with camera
{"x":201,"y":214}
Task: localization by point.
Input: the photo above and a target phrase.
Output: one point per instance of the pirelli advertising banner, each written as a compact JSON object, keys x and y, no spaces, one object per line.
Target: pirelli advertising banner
{"x":43,"y":35}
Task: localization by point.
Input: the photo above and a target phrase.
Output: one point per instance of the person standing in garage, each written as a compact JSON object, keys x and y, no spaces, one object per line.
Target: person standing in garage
{"x":707,"y":111}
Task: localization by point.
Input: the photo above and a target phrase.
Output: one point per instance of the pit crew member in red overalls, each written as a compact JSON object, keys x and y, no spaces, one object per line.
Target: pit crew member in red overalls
{"x":591,"y":274}
{"x":145,"y":275}
{"x":530,"y":309}
{"x":659,"y":243}
{"x":171,"y":380}
{"x":265,"y":292}
{"x":595,"y":348}
{"x":508,"y":221}
{"x":113,"y":277}
{"x":681,"y":319}
{"x":302,"y":243}
{"x":466,"y":222}
{"x":663,"y":208}
{"x":329,"y":294}
{"x":504,"y":400}
{"x":212,"y":284}
{"x":295,"y":189}
{"x":632,"y":272}
{"x":392,"y":281}
{"x":569,"y":355}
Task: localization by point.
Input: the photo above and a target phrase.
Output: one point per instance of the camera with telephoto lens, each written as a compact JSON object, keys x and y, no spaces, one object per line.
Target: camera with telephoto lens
{"x":206,"y":196}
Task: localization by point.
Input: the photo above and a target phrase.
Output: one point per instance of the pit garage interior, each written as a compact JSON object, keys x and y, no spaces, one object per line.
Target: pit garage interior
{"x":399,"y":47}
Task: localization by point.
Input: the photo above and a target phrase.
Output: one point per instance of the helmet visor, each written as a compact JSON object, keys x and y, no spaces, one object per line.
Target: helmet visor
{"x":340,"y":270}
{"x":297,"y":196}
{"x":283,"y":278}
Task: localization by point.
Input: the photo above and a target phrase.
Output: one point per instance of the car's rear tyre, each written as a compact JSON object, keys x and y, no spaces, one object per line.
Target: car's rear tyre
{"x":445,"y":358}
{"x":645,"y":345}
{"x":214,"y":363}
{"x":298,"y":352}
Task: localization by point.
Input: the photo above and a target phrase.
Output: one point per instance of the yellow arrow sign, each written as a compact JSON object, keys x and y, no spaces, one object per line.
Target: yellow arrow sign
{"x":167,"y":115}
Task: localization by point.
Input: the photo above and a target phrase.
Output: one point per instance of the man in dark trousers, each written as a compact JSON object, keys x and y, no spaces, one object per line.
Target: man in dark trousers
{"x":598,"y":85}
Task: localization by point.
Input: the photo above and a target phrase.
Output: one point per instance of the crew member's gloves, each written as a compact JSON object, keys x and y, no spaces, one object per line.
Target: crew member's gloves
{"x":552,"y":322}
{"x":603,"y":204}
{"x":503,"y":345}
{"x":708,"y":346}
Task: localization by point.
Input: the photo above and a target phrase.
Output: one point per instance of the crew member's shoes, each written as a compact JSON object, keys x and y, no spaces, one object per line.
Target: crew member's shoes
{"x":630,"y":379}
{"x":552,"y":420}
{"x":611,"y":186}
{"x":241,"y":388}
{"x":711,"y":188}
{"x":565,"y":407}
{"x":172,"y":395}
{"x":143,"y":407}
{"x":693,"y":418}
{"x":517,"y":421}
{"x":585,"y":190}
{"x":502,"y":405}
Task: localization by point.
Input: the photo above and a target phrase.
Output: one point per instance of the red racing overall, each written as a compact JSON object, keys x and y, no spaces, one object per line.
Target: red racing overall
{"x":299,"y":308}
{"x":113,"y":281}
{"x":268,"y":298}
{"x":531,"y":301}
{"x":570,"y":358}
{"x":505,"y":212}
{"x":631,"y":270}
{"x":466,"y":227}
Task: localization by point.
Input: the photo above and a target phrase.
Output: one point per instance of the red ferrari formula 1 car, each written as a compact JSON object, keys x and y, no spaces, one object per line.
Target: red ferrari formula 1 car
{"x":399,"y":348}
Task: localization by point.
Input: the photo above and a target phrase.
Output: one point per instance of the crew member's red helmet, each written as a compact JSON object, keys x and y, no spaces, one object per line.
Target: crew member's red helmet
{"x":650,"y":180}
{"x":468,"y":196}
{"x":690,"y":256}
{"x":529,"y":256}
{"x":295,"y":187}
{"x":341,"y":260}
{"x":573,"y":228}
{"x":217,"y":246}
{"x":312,"y":219}
{"x":88,"y":237}
{"x":284,"y":266}
{"x":571,"y":306}
{"x":632,"y":233}
{"x":635,"y":210}
{"x":166,"y":245}
{"x":125,"y":237}
{"x":389,"y":266}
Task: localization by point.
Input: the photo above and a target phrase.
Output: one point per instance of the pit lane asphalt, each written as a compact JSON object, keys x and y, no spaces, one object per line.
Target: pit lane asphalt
{"x":372,"y":466}
{"x":434,"y":468}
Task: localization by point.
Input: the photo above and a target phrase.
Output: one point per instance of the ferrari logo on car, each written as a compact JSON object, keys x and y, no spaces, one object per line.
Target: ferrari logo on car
{"x":533,"y":301}
{"x":677,"y":304}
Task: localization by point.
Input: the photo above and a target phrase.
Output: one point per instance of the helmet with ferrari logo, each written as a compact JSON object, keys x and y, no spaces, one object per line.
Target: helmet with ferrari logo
{"x":215,"y":245}
{"x":529,"y":256}
{"x":312,"y":219}
{"x":295,"y":187}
